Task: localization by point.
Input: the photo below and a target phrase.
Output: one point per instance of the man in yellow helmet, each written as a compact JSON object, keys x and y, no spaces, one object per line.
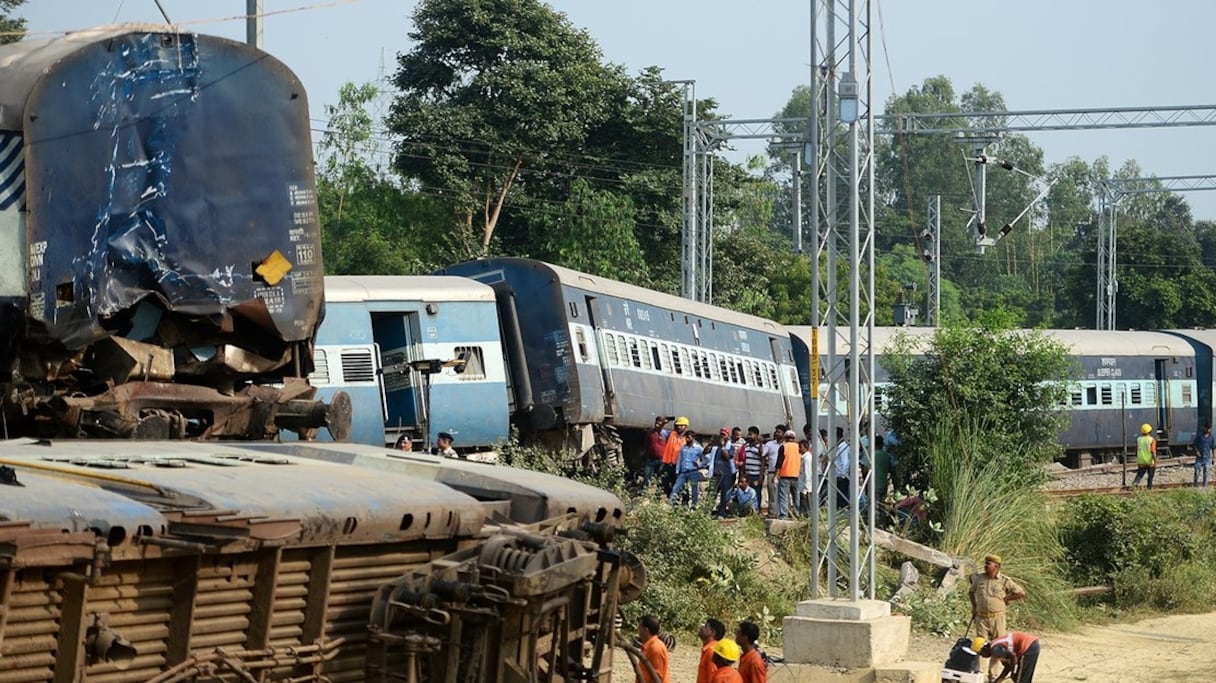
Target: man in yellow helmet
{"x":726,"y":653}
{"x":1146,"y":455}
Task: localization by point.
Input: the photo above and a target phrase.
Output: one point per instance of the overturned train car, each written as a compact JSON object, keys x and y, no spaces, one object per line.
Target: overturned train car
{"x":174,"y":561}
{"x":160,"y":266}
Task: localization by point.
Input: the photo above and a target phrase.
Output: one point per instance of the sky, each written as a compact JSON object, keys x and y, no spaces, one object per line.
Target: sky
{"x":1039,"y":54}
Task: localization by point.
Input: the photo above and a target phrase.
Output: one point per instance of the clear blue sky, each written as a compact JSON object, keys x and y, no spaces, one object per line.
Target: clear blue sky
{"x":1040,"y":54}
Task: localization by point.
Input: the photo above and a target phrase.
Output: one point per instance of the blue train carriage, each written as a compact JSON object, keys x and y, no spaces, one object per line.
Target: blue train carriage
{"x":160,"y":266}
{"x":1204,"y":344}
{"x":1128,"y":379}
{"x":593,"y":360}
{"x":378,"y":336}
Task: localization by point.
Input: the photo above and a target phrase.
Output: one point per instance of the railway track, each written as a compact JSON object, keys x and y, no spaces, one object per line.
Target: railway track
{"x":1114,"y":490}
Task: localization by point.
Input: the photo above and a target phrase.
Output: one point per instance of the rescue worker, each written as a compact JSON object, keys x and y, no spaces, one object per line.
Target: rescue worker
{"x":1018,"y":652}
{"x":673,"y":440}
{"x":1146,"y":455}
{"x":711,"y":633}
{"x":725,"y":653}
{"x":990,"y":593}
{"x":789,"y":464}
{"x":751,"y":665}
{"x":653,"y":651}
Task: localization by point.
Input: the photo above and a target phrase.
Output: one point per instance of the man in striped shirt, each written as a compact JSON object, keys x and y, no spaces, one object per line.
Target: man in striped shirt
{"x":753,"y":462}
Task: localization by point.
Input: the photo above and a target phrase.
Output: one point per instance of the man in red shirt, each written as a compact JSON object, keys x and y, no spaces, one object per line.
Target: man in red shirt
{"x":751,"y":666}
{"x":655,"y":445}
{"x":711,"y":632}
{"x":653,"y":651}
{"x":1018,"y":652}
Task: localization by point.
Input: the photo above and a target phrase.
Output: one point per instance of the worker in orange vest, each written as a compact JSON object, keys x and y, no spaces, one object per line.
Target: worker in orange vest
{"x":789,"y":464}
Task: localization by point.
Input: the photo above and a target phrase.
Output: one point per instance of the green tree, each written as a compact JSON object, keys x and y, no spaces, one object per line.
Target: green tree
{"x":491,"y":95}
{"x":989,"y":379}
{"x":593,"y":232}
{"x":12,"y":29}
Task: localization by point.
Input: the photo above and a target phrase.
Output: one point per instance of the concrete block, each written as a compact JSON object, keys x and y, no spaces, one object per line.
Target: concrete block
{"x":909,"y":672}
{"x":806,"y":673}
{"x":961,"y":676}
{"x":845,"y":643}
{"x":842,"y":609}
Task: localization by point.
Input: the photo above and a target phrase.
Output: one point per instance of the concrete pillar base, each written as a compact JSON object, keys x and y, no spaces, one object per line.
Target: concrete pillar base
{"x":844,"y":633}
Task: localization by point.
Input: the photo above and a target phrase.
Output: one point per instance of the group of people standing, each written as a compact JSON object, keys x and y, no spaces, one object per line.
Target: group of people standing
{"x":720,"y":655}
{"x":746,"y":471}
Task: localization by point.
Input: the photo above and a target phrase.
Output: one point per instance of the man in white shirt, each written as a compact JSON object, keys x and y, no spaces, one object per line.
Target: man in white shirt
{"x":771,"y":449}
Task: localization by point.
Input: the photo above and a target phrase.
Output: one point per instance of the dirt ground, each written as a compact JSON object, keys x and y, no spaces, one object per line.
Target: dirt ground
{"x":1159,"y":650}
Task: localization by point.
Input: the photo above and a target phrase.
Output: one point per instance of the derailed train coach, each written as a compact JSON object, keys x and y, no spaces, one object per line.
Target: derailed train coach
{"x":160,"y":250}
{"x":1123,"y":379}
{"x":177,"y":561}
{"x":592,"y":361}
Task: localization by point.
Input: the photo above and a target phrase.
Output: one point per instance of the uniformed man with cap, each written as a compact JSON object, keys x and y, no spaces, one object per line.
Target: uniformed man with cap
{"x":444,"y":446}
{"x":991,"y":592}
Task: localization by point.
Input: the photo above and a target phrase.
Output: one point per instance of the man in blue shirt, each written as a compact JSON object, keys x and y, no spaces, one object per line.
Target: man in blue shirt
{"x":743,"y":499}
{"x":688,"y":468}
{"x":1203,"y":454}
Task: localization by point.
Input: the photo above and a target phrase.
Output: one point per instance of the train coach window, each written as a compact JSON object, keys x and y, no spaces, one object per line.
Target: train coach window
{"x":1075,"y":398}
{"x":1137,"y":395}
{"x":580,"y":338}
{"x":676,"y":365}
{"x":737,"y":374}
{"x":772,"y":376}
{"x":610,"y":348}
{"x":634,"y":353}
{"x":474,"y":363}
{"x":1107,"y":396}
{"x":723,"y":369}
{"x":1186,"y":394}
{"x":1091,"y":396}
{"x":573,"y":309}
{"x":658,"y":361}
{"x":685,"y":365}
{"x":758,"y":374}
{"x":646,"y":356}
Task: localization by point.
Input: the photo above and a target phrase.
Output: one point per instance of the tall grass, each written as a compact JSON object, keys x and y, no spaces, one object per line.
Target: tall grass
{"x":989,"y":502}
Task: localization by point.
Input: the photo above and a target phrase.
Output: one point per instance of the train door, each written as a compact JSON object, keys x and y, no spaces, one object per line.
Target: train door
{"x":398,"y":337}
{"x":1163,"y":398}
{"x":593,"y":317}
{"x":774,"y":345}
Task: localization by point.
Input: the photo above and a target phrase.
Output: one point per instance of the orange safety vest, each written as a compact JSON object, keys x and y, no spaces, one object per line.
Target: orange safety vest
{"x":671,"y":452}
{"x":790,"y":465}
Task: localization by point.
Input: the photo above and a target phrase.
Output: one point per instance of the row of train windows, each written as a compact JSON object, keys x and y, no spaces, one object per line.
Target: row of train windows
{"x":1120,"y":394}
{"x":357,"y":365}
{"x":644,"y":354}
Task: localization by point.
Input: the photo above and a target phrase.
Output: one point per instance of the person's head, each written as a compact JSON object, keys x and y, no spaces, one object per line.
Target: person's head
{"x":648,"y":626}
{"x":992,"y":565}
{"x":726,"y":652}
{"x":690,"y":437}
{"x":444,"y":440}
{"x":878,"y":442}
{"x":791,"y":437}
{"x":839,"y":433}
{"x":747,"y":635}
{"x":682,"y":424}
{"x":736,"y":434}
{"x":753,"y":433}
{"x":660,"y":422}
{"x":998,"y":651}
{"x":712,"y":629}
{"x":742,"y":484}
{"x":779,"y":432}
{"x":717,"y":441}
{"x":404,"y":443}
{"x":1146,"y":428}
{"x":804,"y":446}
{"x":823,"y":435}
{"x":806,"y":430}
{"x":1207,"y":428}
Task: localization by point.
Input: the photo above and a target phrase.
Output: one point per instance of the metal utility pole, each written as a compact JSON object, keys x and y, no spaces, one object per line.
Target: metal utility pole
{"x":932,"y":254}
{"x":690,"y":205}
{"x":253,"y":24}
{"x":1110,"y":193}
{"x":840,"y":149}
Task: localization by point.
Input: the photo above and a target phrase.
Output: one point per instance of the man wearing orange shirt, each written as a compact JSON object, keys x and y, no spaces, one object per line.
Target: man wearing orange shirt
{"x":653,"y":651}
{"x":673,"y":441}
{"x":1018,"y":652}
{"x":726,"y":653}
{"x":751,"y":666}
{"x":711,"y":632}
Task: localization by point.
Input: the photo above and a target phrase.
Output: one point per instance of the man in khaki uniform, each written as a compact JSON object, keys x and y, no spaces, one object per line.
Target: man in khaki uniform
{"x":990,"y":593}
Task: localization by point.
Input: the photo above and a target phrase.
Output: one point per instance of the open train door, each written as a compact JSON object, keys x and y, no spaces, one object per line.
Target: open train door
{"x":398,"y":336}
{"x":1164,"y":421}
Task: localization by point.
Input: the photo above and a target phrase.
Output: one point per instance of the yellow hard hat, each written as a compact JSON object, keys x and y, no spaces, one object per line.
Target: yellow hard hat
{"x":681,"y":421}
{"x":977,"y":644}
{"x":727,"y":649}
{"x":1144,"y":428}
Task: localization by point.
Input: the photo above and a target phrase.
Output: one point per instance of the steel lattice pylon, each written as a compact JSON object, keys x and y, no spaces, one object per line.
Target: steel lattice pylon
{"x":1110,"y":193}
{"x":840,"y":143}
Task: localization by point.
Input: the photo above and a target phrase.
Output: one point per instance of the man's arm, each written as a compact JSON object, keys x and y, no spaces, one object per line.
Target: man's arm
{"x":1014,"y":592}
